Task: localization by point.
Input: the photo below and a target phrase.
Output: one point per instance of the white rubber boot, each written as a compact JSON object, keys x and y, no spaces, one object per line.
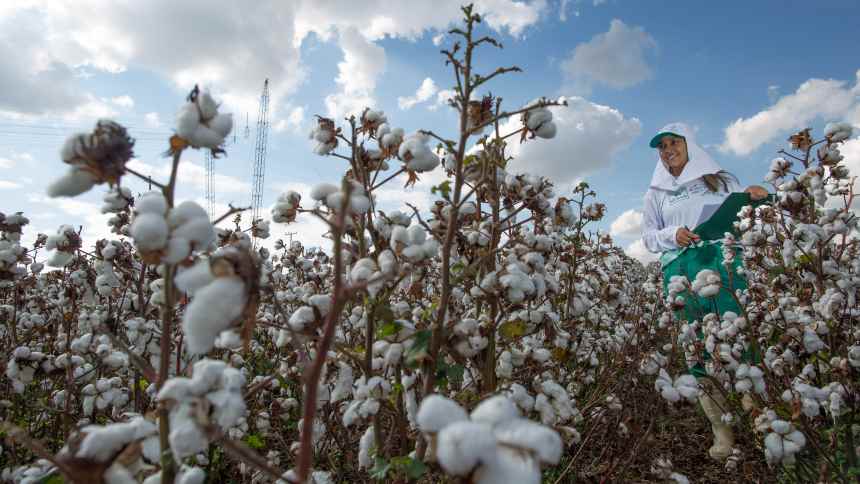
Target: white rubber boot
{"x":714,"y":406}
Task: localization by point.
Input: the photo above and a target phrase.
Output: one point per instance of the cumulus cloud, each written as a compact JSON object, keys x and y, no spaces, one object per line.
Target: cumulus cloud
{"x":124,"y":101}
{"x":627,"y":225}
{"x":8,"y":185}
{"x":376,"y":19}
{"x":615,"y":58}
{"x":363,"y":62}
{"x":192,"y":175}
{"x":589,"y":137}
{"x":216,"y":43}
{"x":442,"y":98}
{"x":6,"y":163}
{"x":292,"y":122}
{"x":815,"y":99}
{"x":425,"y":91}
{"x":638,"y":251}
{"x":152,"y":120}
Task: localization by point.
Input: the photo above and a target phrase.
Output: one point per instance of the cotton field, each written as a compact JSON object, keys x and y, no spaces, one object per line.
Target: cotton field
{"x":496,"y":338}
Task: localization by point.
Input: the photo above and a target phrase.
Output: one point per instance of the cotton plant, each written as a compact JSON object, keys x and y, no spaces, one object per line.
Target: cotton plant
{"x":491,"y":444}
{"x":200,"y":406}
{"x":169,"y":234}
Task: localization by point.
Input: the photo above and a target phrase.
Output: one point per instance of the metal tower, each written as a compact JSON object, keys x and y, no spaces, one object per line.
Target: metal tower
{"x":209,"y":162}
{"x":260,"y":153}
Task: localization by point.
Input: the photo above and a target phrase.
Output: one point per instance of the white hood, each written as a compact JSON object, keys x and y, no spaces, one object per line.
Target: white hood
{"x":700,"y":163}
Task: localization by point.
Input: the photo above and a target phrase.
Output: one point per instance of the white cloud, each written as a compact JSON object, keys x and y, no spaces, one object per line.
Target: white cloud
{"x":152,"y":120}
{"x":638,"y":251}
{"x":7,"y":185}
{"x":48,"y":46}
{"x":193,"y":175}
{"x":589,"y":136}
{"x":76,"y":212}
{"x":442,"y":98}
{"x":425,"y":91}
{"x":627,"y":225}
{"x":124,"y":101}
{"x":773,"y":93}
{"x":6,"y":163}
{"x":293,"y":121}
{"x":438,"y":38}
{"x":814,"y":99}
{"x":376,"y":19}
{"x":615,"y":58}
{"x":363,"y":63}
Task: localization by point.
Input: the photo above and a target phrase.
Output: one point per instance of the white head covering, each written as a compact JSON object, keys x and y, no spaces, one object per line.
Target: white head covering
{"x":700,"y":163}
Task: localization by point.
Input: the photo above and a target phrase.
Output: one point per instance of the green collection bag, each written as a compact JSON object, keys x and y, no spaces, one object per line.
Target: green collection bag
{"x":708,"y":254}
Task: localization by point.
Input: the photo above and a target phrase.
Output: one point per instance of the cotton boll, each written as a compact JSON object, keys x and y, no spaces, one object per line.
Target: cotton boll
{"x":151,"y":202}
{"x":437,"y":411}
{"x":75,"y":182}
{"x":461,"y":445}
{"x":495,"y":410}
{"x":323,"y":190}
{"x":191,"y":279}
{"x":508,"y":466}
{"x":149,"y":231}
{"x":543,"y":441}
{"x":212,"y":310}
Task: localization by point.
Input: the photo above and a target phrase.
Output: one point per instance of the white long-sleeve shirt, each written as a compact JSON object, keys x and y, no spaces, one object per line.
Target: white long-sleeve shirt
{"x":683,"y":201}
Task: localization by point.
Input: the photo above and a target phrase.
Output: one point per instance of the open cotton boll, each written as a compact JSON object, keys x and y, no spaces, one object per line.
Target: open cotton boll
{"x":543,"y":441}
{"x":323,"y":190}
{"x":151,"y":202}
{"x":73,"y":183}
{"x":508,"y":466}
{"x":437,"y":411}
{"x":494,"y":410}
{"x":102,"y":442}
{"x":460,"y":446}
{"x":193,"y":278}
{"x":149,"y":231}
{"x":212,"y":310}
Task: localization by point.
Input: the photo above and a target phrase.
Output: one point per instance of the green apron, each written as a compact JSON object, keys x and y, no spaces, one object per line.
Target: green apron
{"x":708,"y":254}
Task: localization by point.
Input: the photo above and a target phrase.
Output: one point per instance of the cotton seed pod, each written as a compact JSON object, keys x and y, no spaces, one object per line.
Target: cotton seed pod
{"x":232,"y":261}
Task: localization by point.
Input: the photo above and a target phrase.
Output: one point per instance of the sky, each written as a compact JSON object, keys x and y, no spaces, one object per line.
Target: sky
{"x":744,"y":75}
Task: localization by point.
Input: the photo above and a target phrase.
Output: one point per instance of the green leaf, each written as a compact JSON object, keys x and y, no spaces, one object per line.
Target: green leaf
{"x":419,"y":350}
{"x":513,"y":329}
{"x":380,"y":468}
{"x":388,"y":329}
{"x":254,"y":441}
{"x":443,"y":188}
{"x":415,"y":469}
{"x":55,"y":479}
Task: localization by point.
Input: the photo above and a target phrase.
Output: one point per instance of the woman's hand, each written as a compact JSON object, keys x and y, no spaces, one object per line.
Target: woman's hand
{"x":684,"y":236}
{"x":756,"y":192}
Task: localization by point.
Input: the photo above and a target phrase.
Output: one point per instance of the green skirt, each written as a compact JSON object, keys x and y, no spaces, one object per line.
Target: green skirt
{"x":688,"y":262}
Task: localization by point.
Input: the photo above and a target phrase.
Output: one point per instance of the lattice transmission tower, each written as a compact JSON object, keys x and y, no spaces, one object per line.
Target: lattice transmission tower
{"x":259,"y":173}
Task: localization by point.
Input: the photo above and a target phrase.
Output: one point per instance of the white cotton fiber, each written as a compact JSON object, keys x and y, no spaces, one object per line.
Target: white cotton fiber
{"x":542,"y":440}
{"x":74,"y":182}
{"x":461,"y":445}
{"x":195,"y":277}
{"x":495,"y":410}
{"x":437,"y":411}
{"x":149,"y":231}
{"x":212,"y":310}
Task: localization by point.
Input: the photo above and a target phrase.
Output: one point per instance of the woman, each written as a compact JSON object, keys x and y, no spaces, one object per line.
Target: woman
{"x":687,"y":188}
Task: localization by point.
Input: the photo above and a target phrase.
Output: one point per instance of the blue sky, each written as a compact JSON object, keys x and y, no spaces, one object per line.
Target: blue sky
{"x":743,"y":74}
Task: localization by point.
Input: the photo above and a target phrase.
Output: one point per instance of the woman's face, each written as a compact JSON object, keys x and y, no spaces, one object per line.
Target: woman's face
{"x":673,"y":152}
